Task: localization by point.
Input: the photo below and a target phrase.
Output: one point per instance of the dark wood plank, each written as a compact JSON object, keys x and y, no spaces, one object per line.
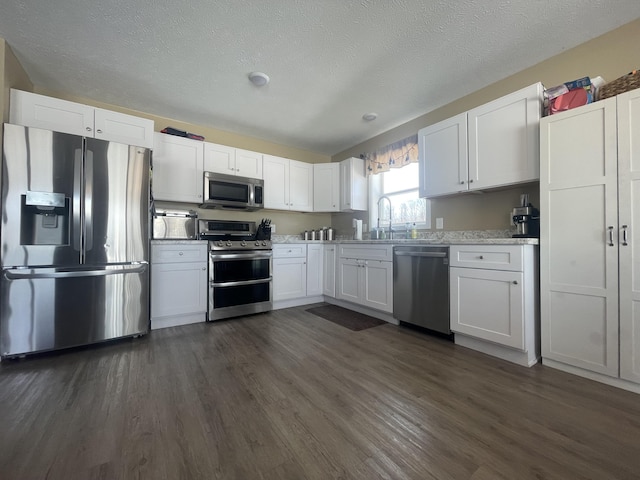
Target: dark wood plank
{"x":288,"y":395}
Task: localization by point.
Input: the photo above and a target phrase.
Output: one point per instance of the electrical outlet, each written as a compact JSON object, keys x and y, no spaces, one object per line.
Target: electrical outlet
{"x":273,"y":228}
{"x":439,"y":223}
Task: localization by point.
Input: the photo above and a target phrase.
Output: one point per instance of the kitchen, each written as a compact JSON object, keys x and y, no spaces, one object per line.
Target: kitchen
{"x":488,"y":211}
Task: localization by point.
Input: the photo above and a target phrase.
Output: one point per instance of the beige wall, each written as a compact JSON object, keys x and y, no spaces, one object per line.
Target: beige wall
{"x":610,"y":56}
{"x":12,"y":75}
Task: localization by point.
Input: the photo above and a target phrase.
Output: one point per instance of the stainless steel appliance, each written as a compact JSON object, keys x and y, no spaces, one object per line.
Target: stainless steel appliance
{"x":240,"y":269}
{"x":526,"y":218}
{"x":75,"y":241}
{"x":175,"y":224}
{"x":421,"y":286}
{"x":232,"y":193}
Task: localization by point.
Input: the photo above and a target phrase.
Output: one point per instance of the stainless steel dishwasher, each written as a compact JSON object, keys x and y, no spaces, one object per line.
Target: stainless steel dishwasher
{"x":421,"y":286}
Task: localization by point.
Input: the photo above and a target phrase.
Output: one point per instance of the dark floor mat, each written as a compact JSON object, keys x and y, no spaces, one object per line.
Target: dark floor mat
{"x":347,"y":318}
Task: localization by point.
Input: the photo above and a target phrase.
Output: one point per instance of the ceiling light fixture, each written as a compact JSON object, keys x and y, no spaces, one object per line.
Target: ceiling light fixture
{"x":259,"y":79}
{"x":369,"y":117}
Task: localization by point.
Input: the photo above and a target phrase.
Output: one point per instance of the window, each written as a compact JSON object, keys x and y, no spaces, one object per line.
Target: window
{"x":400,"y":185}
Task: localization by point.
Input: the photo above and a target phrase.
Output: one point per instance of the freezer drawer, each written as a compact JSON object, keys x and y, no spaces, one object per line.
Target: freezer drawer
{"x":44,"y":309}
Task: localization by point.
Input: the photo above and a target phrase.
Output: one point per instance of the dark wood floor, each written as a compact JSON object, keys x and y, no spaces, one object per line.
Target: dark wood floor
{"x":288,"y":395}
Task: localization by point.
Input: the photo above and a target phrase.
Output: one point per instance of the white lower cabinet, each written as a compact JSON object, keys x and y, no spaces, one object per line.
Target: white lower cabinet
{"x":289,"y":274}
{"x":297,"y":274}
{"x":314,"y":269}
{"x":365,"y":276}
{"x":329,"y":270}
{"x":178,"y":283}
{"x":493,"y":300}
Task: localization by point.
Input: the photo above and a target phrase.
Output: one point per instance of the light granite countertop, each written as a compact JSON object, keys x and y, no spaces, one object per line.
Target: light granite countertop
{"x":467,"y":237}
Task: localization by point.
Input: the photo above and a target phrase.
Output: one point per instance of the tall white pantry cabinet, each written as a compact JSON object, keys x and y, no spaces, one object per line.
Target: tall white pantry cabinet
{"x":590,"y":240}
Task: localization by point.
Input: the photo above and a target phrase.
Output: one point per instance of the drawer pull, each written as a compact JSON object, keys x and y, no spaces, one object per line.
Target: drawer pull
{"x":481,"y":257}
{"x":515,"y":282}
{"x":610,"y":236}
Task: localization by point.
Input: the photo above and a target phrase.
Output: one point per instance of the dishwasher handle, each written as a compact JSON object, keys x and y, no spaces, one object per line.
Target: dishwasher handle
{"x":421,"y":254}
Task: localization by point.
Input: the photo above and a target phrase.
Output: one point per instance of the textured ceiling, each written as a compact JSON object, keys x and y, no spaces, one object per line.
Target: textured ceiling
{"x":330,"y":61}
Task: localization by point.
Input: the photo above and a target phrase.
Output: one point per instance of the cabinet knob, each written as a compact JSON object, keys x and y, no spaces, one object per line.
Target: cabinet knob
{"x":99,"y":131}
{"x":481,"y":257}
{"x":462,"y":182}
{"x":88,"y":129}
{"x":204,"y":268}
{"x":180,"y":253}
{"x":515,"y":282}
{"x":471,"y":180}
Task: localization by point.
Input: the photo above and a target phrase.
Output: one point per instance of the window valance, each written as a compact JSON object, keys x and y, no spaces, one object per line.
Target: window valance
{"x":395,"y":155}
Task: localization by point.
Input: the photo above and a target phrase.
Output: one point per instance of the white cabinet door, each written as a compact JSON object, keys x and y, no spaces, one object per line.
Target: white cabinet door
{"x":219,"y":158}
{"x":314,"y":270}
{"x":177,"y":169}
{"x":289,"y":278}
{"x":329,"y":270}
{"x":443,"y":157}
{"x":349,"y":279}
{"x":326,"y":187}
{"x":629,"y":232}
{"x":40,"y":111}
{"x":300,"y":186}
{"x":488,"y":304}
{"x":503,"y":139}
{"x":578,"y":261}
{"x":276,"y":182}
{"x":178,"y":289}
{"x":353,"y":185}
{"x":122,"y":128}
{"x":248,"y":163}
{"x":377,"y":285}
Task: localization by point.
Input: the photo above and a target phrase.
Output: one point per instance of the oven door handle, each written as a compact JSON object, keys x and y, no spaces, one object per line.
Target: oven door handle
{"x":243,"y":282}
{"x":240,"y":256}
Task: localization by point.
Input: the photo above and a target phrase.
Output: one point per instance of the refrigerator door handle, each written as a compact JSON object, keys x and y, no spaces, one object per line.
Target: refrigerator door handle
{"x":77,"y":205}
{"x":88,"y":200}
{"x":32,"y":273}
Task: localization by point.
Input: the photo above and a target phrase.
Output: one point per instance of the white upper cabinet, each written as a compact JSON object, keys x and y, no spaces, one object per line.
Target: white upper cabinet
{"x":326,"y":187}
{"x":494,"y":145}
{"x":40,"y":111}
{"x":177,"y":169}
{"x":248,"y":163}
{"x":301,"y":186}
{"x":232,"y":161}
{"x":288,"y":184}
{"x":353,"y":185}
{"x":504,"y":145}
{"x":444,"y":162}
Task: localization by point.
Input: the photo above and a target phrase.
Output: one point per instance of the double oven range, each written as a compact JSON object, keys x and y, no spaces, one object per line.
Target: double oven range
{"x":240,"y":268}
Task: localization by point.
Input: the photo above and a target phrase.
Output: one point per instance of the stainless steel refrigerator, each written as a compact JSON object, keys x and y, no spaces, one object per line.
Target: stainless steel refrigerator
{"x":74,"y":241}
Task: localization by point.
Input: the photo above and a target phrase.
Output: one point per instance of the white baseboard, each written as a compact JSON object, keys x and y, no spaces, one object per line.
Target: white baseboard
{"x":526,"y":359}
{"x":164,"y":322}
{"x":598,"y":377}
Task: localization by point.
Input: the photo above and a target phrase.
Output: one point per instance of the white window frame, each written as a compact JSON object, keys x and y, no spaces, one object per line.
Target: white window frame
{"x":376,"y":191}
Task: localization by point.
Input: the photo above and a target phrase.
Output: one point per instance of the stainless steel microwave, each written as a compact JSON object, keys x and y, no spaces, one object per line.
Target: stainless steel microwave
{"x":232,"y":193}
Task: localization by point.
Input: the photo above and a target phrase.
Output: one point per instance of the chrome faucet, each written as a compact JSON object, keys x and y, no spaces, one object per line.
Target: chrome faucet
{"x":384,"y":197}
